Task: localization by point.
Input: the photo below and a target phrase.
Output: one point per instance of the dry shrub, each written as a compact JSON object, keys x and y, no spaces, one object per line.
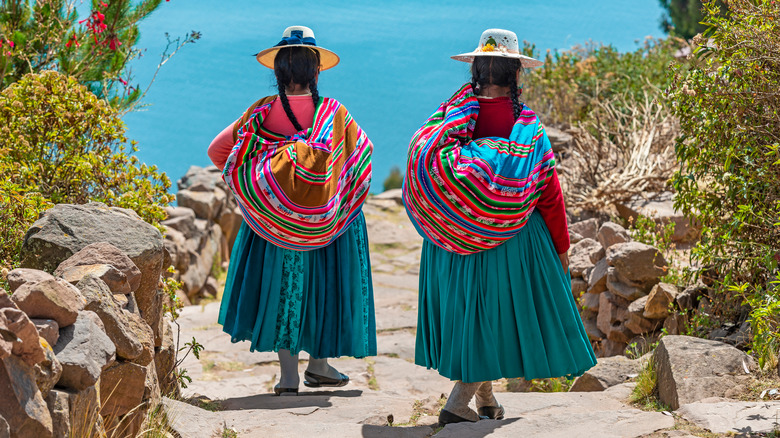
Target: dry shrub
{"x":625,"y":148}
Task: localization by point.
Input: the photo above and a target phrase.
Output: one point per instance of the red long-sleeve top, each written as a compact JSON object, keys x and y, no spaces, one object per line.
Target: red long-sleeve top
{"x":496,"y":119}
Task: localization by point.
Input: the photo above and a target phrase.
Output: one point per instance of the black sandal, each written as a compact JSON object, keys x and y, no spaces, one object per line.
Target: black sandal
{"x":312,"y":380}
{"x":278,"y":390}
{"x":492,"y":412}
{"x":446,"y":417}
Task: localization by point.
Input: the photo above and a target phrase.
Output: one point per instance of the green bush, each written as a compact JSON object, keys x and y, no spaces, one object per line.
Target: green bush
{"x":393,"y":181}
{"x":729,"y":150}
{"x":40,"y":35}
{"x":568,"y":88}
{"x":59,"y":143}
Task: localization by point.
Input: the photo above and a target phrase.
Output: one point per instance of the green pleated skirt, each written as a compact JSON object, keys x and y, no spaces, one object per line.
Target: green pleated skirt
{"x":319,"y":301}
{"x":506,"y":312}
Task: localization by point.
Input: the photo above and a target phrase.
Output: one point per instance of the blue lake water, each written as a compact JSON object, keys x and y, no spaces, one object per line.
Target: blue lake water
{"x":395,"y":67}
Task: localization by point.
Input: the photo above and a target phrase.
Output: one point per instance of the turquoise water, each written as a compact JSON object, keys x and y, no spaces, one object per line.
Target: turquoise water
{"x":395,"y":67}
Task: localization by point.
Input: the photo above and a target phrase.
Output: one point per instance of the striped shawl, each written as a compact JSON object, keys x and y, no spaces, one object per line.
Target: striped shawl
{"x":300,"y":192}
{"x":467,"y":195}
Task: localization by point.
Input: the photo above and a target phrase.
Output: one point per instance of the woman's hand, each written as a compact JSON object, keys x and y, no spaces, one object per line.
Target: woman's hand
{"x":564,"y":261}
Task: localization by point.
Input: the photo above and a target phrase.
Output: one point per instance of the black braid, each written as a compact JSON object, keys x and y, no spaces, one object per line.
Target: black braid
{"x":315,"y":95}
{"x":296,"y":65}
{"x":286,"y":105}
{"x":517,"y":106}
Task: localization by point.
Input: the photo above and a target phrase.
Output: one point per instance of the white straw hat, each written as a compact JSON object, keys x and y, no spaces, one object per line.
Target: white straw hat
{"x":298,"y":36}
{"x":499,"y":42}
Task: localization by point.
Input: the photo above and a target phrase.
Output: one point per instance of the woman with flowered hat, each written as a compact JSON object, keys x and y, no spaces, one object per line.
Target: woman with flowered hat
{"x":481,"y":188}
{"x":299,"y":166}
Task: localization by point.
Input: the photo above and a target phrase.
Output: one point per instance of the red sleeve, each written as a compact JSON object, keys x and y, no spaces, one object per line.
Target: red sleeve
{"x":553,"y":211}
{"x":220,"y":147}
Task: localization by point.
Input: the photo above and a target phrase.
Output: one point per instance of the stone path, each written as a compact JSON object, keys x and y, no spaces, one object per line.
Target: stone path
{"x":388,"y":396}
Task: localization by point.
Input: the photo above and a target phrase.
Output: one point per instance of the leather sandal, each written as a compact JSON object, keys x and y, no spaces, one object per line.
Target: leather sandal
{"x":492,"y":412}
{"x":278,"y":390}
{"x":446,"y":417}
{"x":312,"y":380}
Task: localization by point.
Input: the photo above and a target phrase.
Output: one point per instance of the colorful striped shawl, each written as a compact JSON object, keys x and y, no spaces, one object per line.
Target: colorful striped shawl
{"x":300,"y":192}
{"x":466,"y":195}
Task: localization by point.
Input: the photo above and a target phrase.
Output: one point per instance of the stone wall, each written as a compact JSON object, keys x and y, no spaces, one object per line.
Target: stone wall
{"x":200,"y":232}
{"x":84,"y":347}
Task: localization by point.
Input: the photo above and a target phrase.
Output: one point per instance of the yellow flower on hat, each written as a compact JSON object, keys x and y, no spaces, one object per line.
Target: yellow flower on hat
{"x":488,"y":47}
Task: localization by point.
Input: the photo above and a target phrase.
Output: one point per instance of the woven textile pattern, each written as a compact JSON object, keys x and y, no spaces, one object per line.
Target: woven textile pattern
{"x":467,"y":195}
{"x":300,"y":192}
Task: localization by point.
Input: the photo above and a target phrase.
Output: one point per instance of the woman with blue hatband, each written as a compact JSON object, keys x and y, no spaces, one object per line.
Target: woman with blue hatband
{"x":495,"y":295}
{"x":299,"y":166}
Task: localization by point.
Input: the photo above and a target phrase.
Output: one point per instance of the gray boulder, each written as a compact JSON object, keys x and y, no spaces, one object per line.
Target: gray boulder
{"x":27,"y":346}
{"x":588,"y":228}
{"x":128,"y":278}
{"x":661,"y":209}
{"x":84,"y":351}
{"x":584,"y":255}
{"x":637,"y":262}
{"x":59,"y":409}
{"x":66,"y":229}
{"x":125,"y":331}
{"x":206,"y":205}
{"x":597,"y":277}
{"x":47,"y":371}
{"x":691,"y":369}
{"x":608,"y":372}
{"x":22,"y":404}
{"x":611,"y":233}
{"x":20,"y":276}
{"x":637,"y":322}
{"x":661,"y":296}
{"x":627,"y":290}
{"x":50,"y":299}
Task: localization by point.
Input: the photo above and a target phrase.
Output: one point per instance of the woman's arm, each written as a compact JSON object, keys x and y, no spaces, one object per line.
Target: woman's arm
{"x":553,"y":211}
{"x":220,"y":147}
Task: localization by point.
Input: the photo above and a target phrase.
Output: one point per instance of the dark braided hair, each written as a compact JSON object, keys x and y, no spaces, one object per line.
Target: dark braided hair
{"x":296,"y":65}
{"x":495,"y":70}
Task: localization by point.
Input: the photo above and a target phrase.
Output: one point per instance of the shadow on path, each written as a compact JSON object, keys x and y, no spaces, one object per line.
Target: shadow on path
{"x":320,"y":399}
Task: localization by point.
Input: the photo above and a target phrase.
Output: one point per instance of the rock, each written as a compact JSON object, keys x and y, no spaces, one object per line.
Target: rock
{"x":48,"y":371}
{"x":84,"y":410}
{"x":574,"y":238}
{"x":183,"y":222}
{"x":210,"y":288}
{"x":392,"y":194}
{"x":727,"y":416}
{"x":591,"y":302}
{"x":21,"y":403}
{"x":201,"y":179}
{"x":578,"y":287}
{"x":612,"y":348}
{"x":592,"y":330}
{"x":625,"y":291}
{"x":50,"y":299}
{"x":165,"y":362}
{"x":200,"y":267}
{"x":46,"y":245}
{"x":741,"y":337}
{"x":559,"y":140}
{"x":661,"y":210}
{"x":611,"y":233}
{"x":584,"y":255}
{"x":661,"y":296}
{"x":691,"y":369}
{"x":597,"y":277}
{"x":674,"y":324}
{"x":5,"y":429}
{"x":116,"y":281}
{"x":611,"y":318}
{"x":588,"y":229}
{"x":84,"y":351}
{"x":47,"y":329}
{"x":18,"y":323}
{"x":20,"y":276}
{"x":104,"y":253}
{"x":206,"y":205}
{"x":59,"y":409}
{"x":637,"y":262}
{"x":230,"y":222}
{"x":121,"y":388}
{"x":637,"y":322}
{"x":688,"y":299}
{"x":609,"y":371}
{"x":125,"y":330}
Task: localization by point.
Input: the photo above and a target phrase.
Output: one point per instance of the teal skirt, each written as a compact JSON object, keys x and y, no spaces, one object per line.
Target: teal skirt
{"x":318,"y":301}
{"x":504,"y":312}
